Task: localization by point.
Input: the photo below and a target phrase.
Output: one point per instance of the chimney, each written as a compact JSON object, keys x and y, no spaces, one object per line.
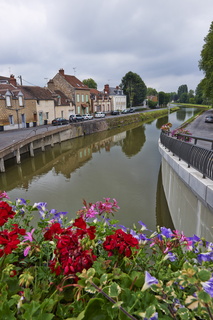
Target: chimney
{"x":106,"y":89}
{"x":12,"y":80}
{"x":50,"y":85}
{"x":61,"y":71}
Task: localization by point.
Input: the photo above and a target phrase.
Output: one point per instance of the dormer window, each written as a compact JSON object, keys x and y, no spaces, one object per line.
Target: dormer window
{"x":8,"y":96}
{"x":20,"y":99}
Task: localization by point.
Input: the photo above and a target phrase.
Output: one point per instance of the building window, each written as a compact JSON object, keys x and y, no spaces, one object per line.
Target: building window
{"x":82,"y":98}
{"x":62,"y":114}
{"x":87,"y":98}
{"x":47,"y":115}
{"x":78,"y":98}
{"x":11,"y":119}
{"x":8,"y":99}
{"x":20,"y":99}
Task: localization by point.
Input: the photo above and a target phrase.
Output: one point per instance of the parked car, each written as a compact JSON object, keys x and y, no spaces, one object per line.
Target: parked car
{"x":75,"y":118}
{"x":131,"y":110}
{"x":87,"y":116}
{"x":59,"y":121}
{"x":125,"y":111}
{"x":99,"y":115}
{"x":209,"y":119}
{"x":115,"y":112}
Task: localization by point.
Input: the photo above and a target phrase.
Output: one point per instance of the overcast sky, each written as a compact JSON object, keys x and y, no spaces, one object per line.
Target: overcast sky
{"x":160,"y":40}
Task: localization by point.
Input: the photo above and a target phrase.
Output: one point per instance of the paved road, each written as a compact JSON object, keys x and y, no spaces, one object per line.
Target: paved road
{"x":9,"y":137}
{"x":198,"y":128}
{"x":201,"y":129}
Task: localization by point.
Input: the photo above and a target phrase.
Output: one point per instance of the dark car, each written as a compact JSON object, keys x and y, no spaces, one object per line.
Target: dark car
{"x":209,"y":119}
{"x":115,"y":112}
{"x":75,"y":118}
{"x":59,"y":121}
{"x":131,"y":110}
{"x":125,"y":111}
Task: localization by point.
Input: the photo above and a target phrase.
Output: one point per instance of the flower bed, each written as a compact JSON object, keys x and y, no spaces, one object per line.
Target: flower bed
{"x":93,"y":268}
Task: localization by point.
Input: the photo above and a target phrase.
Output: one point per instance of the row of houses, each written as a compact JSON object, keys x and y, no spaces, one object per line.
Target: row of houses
{"x":25,"y":106}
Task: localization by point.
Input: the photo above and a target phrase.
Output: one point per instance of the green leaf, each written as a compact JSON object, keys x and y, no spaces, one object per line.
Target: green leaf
{"x":94,"y":310}
{"x":90,"y":289}
{"x":204,"y":275}
{"x":103,"y":279}
{"x":42,"y":316}
{"x":117,"y":304}
{"x":114,"y":290}
{"x":184,"y":313}
{"x":204,"y":296}
{"x":6,"y":313}
{"x":150,"y":311}
{"x":80,"y":317}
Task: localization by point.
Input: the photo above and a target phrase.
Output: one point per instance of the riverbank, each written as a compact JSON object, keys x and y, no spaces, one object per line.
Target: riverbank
{"x":15,"y":143}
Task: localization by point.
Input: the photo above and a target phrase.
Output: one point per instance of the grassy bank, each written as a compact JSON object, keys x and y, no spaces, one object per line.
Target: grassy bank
{"x":137,"y":117}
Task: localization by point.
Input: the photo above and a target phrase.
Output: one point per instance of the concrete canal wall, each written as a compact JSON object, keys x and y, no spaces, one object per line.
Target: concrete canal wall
{"x":54,"y":135}
{"x":189,"y":196}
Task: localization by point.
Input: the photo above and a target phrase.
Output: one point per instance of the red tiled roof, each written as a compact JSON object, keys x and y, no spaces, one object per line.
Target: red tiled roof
{"x":75,"y":83}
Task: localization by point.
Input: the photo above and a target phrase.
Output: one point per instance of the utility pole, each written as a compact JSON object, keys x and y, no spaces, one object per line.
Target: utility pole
{"x":20,"y":77}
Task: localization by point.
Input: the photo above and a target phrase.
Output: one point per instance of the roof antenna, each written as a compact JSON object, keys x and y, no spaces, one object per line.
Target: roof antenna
{"x":74,"y":70}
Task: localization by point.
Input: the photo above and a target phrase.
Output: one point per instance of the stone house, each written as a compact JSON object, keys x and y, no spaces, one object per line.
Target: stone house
{"x":116,"y":96}
{"x":74,"y":89}
{"x":15,"y":110}
{"x":26,"y":106}
{"x":100,"y":101}
{"x":49,"y":104}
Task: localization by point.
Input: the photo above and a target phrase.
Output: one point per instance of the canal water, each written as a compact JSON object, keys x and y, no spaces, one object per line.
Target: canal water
{"x":123,"y":163}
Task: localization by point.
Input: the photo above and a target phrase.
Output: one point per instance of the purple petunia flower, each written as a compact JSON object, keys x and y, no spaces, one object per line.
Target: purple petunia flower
{"x":208,"y":286}
{"x":170,"y":256}
{"x":21,"y":201}
{"x":206,"y":256}
{"x":144,"y":227}
{"x":166,"y":232}
{"x":42,"y":208}
{"x":149,"y":281}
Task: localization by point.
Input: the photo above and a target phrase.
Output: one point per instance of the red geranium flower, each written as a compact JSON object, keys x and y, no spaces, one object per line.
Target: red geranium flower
{"x":6,"y":212}
{"x":120,"y":242}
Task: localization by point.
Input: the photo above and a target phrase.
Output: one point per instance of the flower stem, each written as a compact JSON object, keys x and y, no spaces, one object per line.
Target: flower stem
{"x":112,"y":300}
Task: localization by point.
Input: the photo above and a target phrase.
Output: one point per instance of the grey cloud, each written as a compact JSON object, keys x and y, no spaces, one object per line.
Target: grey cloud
{"x":159,"y":40}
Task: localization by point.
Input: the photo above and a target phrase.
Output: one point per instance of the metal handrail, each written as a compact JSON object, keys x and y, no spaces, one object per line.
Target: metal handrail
{"x":197,"y":157}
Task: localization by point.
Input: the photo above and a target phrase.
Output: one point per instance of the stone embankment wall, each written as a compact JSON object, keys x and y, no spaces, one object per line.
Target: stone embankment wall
{"x":189,"y":196}
{"x":74,"y":130}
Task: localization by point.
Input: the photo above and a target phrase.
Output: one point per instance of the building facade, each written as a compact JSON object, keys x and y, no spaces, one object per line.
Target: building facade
{"x":116,"y":96}
{"x":74,"y":89}
{"x":26,"y":106}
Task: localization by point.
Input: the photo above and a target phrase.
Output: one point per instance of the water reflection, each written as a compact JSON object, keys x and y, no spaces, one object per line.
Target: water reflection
{"x":163,"y":217}
{"x":68,"y":156}
{"x":134,"y":141}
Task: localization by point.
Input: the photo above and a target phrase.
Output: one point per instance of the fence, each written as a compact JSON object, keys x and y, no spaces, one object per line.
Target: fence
{"x":198,"y":157}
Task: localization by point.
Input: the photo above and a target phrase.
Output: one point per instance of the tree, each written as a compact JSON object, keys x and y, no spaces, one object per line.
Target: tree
{"x":163,"y":98}
{"x":200,"y":92}
{"x":206,"y":63}
{"x":135,"y":89}
{"x":90,"y":83}
{"x":181,"y":90}
{"x":151,"y":92}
